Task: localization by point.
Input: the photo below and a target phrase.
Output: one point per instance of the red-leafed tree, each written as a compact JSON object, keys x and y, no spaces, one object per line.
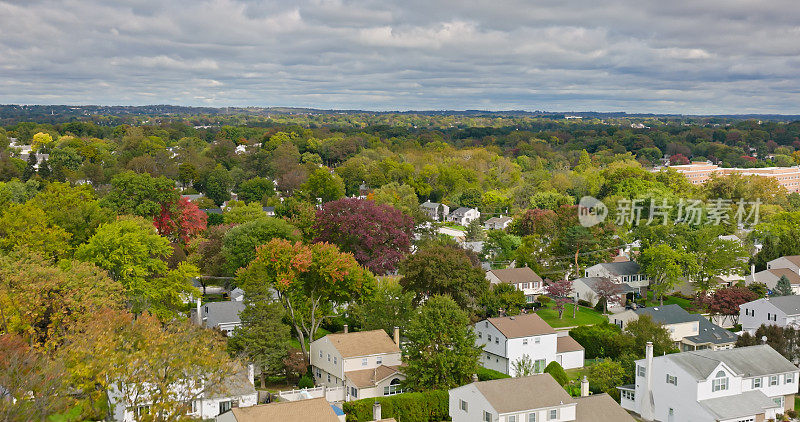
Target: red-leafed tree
{"x":608,"y":292}
{"x":377,"y":235}
{"x":678,"y":159}
{"x":180,"y":221}
{"x":535,"y":222}
{"x":559,"y":291}
{"x":726,"y":301}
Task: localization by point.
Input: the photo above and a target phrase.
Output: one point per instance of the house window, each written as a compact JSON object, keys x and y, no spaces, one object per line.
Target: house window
{"x":672,"y":380}
{"x":525,"y":285}
{"x":141,"y":410}
{"x":511,"y":418}
{"x":329,"y":357}
{"x":524,"y":341}
{"x":773,"y":380}
{"x":364,"y":362}
{"x":720,"y":382}
{"x":480,"y":334}
{"x":537,"y":340}
{"x":329,"y":377}
{"x":640,"y":371}
{"x":320,"y":354}
{"x":778,"y":400}
{"x":756,"y":383}
{"x":531,"y":417}
{"x":354,"y":392}
{"x":489,"y":336}
{"x":626,"y":394}
{"x":497,"y":340}
{"x":788,"y":378}
{"x":393,"y":389}
{"x":769,"y":316}
{"x":538,"y":366}
{"x":379,"y":360}
{"x":334,"y":360}
{"x":463,"y":405}
{"x":486,"y":324}
{"x":195,"y":405}
{"x":487,"y":417}
{"x":552,"y":415}
{"x":225,"y":406}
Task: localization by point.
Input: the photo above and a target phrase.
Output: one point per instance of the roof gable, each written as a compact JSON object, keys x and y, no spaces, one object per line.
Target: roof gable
{"x":743,"y":361}
{"x":516,"y":275}
{"x":524,"y":325}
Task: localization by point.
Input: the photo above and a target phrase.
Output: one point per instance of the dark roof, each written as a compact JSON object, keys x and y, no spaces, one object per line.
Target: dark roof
{"x":667,"y":314}
{"x":591,"y":283}
{"x":708,"y":332}
{"x":523,"y":393}
{"x":222,"y":312}
{"x":521,"y":326}
{"x":516,"y":275}
{"x":622,"y":268}
{"x":460,"y":211}
{"x":600,"y":408}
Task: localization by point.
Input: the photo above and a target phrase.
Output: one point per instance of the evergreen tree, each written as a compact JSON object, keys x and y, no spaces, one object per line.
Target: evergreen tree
{"x":263,"y":338}
{"x":44,"y":169}
{"x":30,"y":170}
{"x":783,"y":288}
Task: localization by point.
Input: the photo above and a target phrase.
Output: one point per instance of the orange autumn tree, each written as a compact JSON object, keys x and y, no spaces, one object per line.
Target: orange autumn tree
{"x":311,"y":280}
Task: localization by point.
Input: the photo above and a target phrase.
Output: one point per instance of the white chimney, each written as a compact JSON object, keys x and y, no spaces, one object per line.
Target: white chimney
{"x":376,"y":411}
{"x":251,"y":374}
{"x":646,"y":404}
{"x":753,"y":271}
{"x":584,"y":386}
{"x":346,"y":328}
{"x":397,"y":336}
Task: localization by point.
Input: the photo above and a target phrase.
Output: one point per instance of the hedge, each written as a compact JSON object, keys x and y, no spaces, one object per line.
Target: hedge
{"x":485,"y":374}
{"x":430,"y":406}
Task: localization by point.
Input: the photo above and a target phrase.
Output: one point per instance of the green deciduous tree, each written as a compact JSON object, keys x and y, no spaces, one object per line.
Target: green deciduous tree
{"x":217,"y":185}
{"x":441,"y":352}
{"x":240,"y":242}
{"x":140,"y":194}
{"x":256,"y":189}
{"x":665,"y":267}
{"x":387,"y":307}
{"x":605,"y":376}
{"x":324,"y":184}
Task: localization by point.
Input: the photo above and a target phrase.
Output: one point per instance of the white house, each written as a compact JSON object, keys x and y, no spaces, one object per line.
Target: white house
{"x":588,"y":289}
{"x":497,"y":223}
{"x":435,"y":211}
{"x":743,"y":384}
{"x":688,"y":331}
{"x":203,"y":401}
{"x":464,"y":216}
{"x":221,"y":315}
{"x":529,"y":399}
{"x":777,"y":310}
{"x":786,"y":266}
{"x":366,"y":363}
{"x":523,"y":279}
{"x":505,"y":340}
{"x":627,"y":272}
{"x":311,"y":410}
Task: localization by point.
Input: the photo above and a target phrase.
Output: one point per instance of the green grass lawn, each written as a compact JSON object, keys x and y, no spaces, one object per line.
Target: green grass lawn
{"x":669,"y":300}
{"x":584,"y":316}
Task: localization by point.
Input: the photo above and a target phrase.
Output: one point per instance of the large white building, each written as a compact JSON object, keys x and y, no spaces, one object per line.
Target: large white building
{"x":366,"y":363}
{"x":506,"y":340}
{"x":745,"y":384}
{"x":777,"y":310}
{"x":523,"y":279}
{"x":533,"y":398}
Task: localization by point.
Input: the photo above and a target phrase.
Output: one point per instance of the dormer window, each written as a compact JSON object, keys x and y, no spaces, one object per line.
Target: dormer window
{"x":720,"y":382}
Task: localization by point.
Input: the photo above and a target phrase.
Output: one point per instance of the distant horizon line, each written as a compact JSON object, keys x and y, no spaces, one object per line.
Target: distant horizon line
{"x":413,"y":111}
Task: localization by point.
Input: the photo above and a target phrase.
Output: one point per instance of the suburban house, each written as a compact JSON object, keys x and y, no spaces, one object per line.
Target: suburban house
{"x":497,"y":223}
{"x":786,"y":266}
{"x":530,"y":399}
{"x":207,"y":402}
{"x":366,"y":364}
{"x":463,"y":216}
{"x":505,"y":340}
{"x":311,"y":410}
{"x":435,"y":211}
{"x":523,"y":279}
{"x":777,"y":310}
{"x":627,"y":272}
{"x":743,"y":384}
{"x":221,"y":315}
{"x":587,"y":288}
{"x":688,"y":331}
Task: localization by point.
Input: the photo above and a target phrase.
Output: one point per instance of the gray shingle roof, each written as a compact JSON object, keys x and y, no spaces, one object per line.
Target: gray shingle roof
{"x":591,"y":283}
{"x":667,"y":314}
{"x":622,"y":268}
{"x":736,"y":406}
{"x":745,"y":361}
{"x":790,"y":305}
{"x":460,"y":211}
{"x":711,"y":333}
{"x":431,"y":205}
{"x":217,"y":313}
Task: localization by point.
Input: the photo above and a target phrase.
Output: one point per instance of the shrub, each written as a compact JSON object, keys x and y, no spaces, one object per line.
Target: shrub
{"x":544,"y":300}
{"x":485,"y":374}
{"x":305,"y":382}
{"x":599,"y":341}
{"x":557,"y":372}
{"x":407,"y":407}
{"x":600,"y":307}
{"x":584,"y":303}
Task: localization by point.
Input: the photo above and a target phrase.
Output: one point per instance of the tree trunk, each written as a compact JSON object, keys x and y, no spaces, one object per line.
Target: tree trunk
{"x":661,"y":299}
{"x":263,"y":378}
{"x":574,"y":307}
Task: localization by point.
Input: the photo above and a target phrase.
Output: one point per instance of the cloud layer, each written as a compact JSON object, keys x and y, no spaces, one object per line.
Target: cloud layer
{"x":694,"y":57}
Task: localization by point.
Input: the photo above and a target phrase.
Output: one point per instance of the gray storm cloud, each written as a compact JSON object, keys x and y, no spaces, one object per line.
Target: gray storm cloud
{"x":707,"y":56}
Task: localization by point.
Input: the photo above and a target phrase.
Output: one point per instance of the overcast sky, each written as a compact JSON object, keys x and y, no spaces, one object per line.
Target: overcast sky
{"x":665,"y":56}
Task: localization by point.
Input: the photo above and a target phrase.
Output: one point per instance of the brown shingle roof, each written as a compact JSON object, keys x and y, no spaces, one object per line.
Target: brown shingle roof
{"x":516,"y":275}
{"x":524,"y":393}
{"x":522,"y":326}
{"x":567,"y":344}
{"x":794,"y":259}
{"x":600,"y":408}
{"x":363,"y":343}
{"x":793,"y":277}
{"x":369,"y":377}
{"x":311,"y":410}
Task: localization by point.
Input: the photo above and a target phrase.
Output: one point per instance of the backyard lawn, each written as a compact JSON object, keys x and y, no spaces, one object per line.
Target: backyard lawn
{"x":669,"y":300}
{"x":584,"y":316}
